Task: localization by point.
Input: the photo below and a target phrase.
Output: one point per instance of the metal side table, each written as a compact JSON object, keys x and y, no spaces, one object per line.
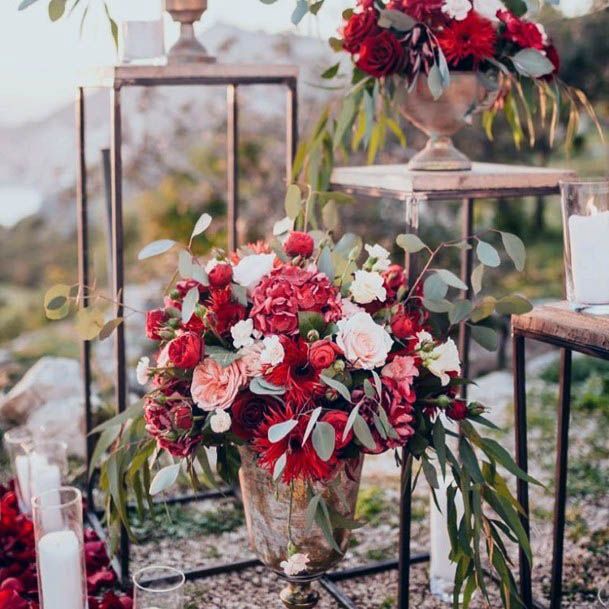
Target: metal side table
{"x":115,"y":79}
{"x":484,"y":181}
{"x":555,"y":324}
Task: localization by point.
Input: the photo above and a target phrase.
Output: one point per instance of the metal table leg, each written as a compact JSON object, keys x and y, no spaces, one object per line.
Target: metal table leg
{"x":522,"y":461}
{"x":467,"y":266}
{"x":232,"y":157}
{"x":291,"y":138}
{"x":560,"y":496}
{"x":405,"y":521}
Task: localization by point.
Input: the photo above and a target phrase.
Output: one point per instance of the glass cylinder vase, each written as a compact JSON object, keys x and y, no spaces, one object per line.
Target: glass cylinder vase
{"x":585,"y":207}
{"x":48,"y":466}
{"x":17,"y":444}
{"x":60,"y":558}
{"x":158,"y":587}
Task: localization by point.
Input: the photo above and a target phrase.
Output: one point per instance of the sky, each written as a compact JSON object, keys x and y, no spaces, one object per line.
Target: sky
{"x":40,"y":60}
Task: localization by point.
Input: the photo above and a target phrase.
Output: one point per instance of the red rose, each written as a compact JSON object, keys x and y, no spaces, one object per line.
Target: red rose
{"x":525,"y":34}
{"x":9,"y":599}
{"x":338,"y":419}
{"x":185,"y":350}
{"x":381,"y":55}
{"x":360,"y":26}
{"x":394,"y":278}
{"x":155,"y":320}
{"x":299,"y":244}
{"x":182,"y":417}
{"x":403,"y":326}
{"x":182,"y":447}
{"x":248,"y":412}
{"x":458,"y":410}
{"x":220,"y":276}
{"x":322,"y":354}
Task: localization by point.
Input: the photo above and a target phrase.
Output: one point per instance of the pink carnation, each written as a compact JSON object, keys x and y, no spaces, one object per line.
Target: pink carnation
{"x":285,"y":292}
{"x":216,"y":387}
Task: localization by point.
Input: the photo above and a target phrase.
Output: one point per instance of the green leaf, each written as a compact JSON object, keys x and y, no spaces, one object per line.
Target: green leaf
{"x":499,"y":454}
{"x":338,"y":386}
{"x":329,"y":215}
{"x":439,"y":444}
{"x":109,"y":328}
{"x":430,"y":474}
{"x":348,"y":244}
{"x":260,"y":386}
{"x":280,"y":430}
{"x":435,"y":82}
{"x":311,"y":511}
{"x":515,"y":249}
{"x":164,"y":479}
{"x":189,"y":304}
{"x":185,"y":264}
{"x":322,"y":518}
{"x":89,"y":323}
{"x":532,"y":63}
{"x":293,"y":201}
{"x":434,"y":288}
{"x":310,"y":320}
{"x":56,"y":303}
{"x":513,"y":305}
{"x":302,"y":8}
{"x":470,"y":461}
{"x":311,"y":424}
{"x":396,"y":19}
{"x":363,"y":433}
{"x":202,"y":225}
{"x":106,"y":439}
{"x":156,"y":248}
{"x":345,"y":120}
{"x":483,"y":309}
{"x":325,"y":264}
{"x":280,"y":466}
{"x":437,"y":306}
{"x":350,"y":422}
{"x":57,"y":8}
{"x":324,"y":440}
{"x":450,"y":279}
{"x":476,"y":279}
{"x":460,"y":311}
{"x":25,"y":3}
{"x":410,"y":243}
{"x":487,"y":254}
{"x":485,"y":337}
{"x":220,"y":355}
{"x":133,"y":412}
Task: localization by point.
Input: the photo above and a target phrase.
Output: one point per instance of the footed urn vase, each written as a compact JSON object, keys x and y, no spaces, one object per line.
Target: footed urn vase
{"x":187,"y":49}
{"x":276,"y":518}
{"x":441,"y":118}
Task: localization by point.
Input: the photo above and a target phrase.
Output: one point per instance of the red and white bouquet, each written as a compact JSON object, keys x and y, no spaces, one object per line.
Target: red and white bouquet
{"x":308,"y":363}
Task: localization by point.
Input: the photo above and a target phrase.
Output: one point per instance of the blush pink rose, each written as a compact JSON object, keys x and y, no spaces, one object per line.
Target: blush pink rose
{"x":401,"y":372}
{"x":216,"y":387}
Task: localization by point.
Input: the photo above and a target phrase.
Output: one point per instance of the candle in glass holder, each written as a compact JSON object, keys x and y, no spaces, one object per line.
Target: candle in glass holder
{"x":442,"y":569}
{"x":24,"y":466}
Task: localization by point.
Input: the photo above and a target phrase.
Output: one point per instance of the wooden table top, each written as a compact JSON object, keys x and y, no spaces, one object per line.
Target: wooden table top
{"x":558,"y":324}
{"x":184,"y":74}
{"x":485,"y":180}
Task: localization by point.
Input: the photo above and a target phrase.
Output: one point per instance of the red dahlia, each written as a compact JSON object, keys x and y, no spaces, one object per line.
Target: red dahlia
{"x":472,"y":39}
{"x":421,"y":10}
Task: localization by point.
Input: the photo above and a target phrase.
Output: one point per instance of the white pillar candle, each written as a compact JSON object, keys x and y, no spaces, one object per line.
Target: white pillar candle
{"x":23,"y":465}
{"x":441,"y":569}
{"x":61,"y":574}
{"x":46,"y":478}
{"x":589,"y":240}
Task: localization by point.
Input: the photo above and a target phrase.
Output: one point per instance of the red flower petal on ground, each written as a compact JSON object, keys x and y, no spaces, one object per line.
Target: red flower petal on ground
{"x":473,"y":39}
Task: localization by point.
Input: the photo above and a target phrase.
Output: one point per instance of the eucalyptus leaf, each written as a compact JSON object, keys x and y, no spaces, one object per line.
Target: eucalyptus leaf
{"x":311,"y":424}
{"x":221,"y":356}
{"x":280,"y":466}
{"x":485,"y":337}
{"x":202,"y":225}
{"x":396,"y":19}
{"x":487,"y":254}
{"x":513,"y":305}
{"x":324,"y":440}
{"x":460,"y":311}
{"x":325,"y":263}
{"x":476,"y":279}
{"x":532,"y":63}
{"x":337,"y":386}
{"x":450,"y":279}
{"x":515,"y":249}
{"x":279,"y":431}
{"x":437,"y":306}
{"x":434,"y":288}
{"x":410,"y":243}
{"x":293,"y":201}
{"x":189,"y":304}
{"x":156,"y":248}
{"x":164,"y":479}
{"x":185,"y":264}
{"x":260,"y":386}
{"x":483,"y":309}
{"x":362,"y":433}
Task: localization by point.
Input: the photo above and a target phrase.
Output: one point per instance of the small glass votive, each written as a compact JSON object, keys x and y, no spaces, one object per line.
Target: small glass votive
{"x":585,"y":208}
{"x":17,"y":443}
{"x":158,"y":587}
{"x":48,"y":466}
{"x":60,"y":557}
{"x":141,"y":32}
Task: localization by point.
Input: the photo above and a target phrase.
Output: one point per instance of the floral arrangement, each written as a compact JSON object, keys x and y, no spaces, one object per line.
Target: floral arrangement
{"x":312,"y":352}
{"x":18,"y":582}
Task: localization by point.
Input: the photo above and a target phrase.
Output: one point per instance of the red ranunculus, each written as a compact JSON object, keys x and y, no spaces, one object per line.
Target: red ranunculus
{"x":220,"y":276}
{"x":458,"y":410}
{"x":286,"y":291}
{"x":302,"y":461}
{"x":299,"y":244}
{"x":472,"y":39}
{"x":381,"y":55}
{"x":155,"y":320}
{"x":525,"y":34}
{"x":248,"y":412}
{"x":323,"y":353}
{"x":359,"y":27}
{"x":181,"y":447}
{"x":224,"y":312}
{"x":338,"y":419}
{"x":158,"y":419}
{"x":185,"y":351}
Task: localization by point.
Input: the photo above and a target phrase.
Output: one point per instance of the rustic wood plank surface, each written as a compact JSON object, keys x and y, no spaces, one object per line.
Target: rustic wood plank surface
{"x":485,"y":179}
{"x":556,"y":323}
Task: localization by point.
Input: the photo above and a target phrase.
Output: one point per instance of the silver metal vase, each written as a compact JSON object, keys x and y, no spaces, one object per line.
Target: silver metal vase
{"x":441,"y":118}
{"x":187,"y":49}
{"x":271,"y":530}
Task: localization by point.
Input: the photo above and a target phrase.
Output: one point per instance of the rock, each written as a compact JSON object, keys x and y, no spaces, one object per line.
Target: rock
{"x":63,"y":420}
{"x":49,"y":379}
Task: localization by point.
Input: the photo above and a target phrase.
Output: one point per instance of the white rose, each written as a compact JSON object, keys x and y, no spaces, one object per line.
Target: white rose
{"x":457,"y":9}
{"x":368,"y":286}
{"x":489,"y":8}
{"x":242,"y":333}
{"x":381,"y":256}
{"x":252,"y":269}
{"x":142,"y":371}
{"x":273,"y":351}
{"x":295,"y":564}
{"x":439,"y":359}
{"x":283,"y":226}
{"x":220,"y":421}
{"x":364,"y":343}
